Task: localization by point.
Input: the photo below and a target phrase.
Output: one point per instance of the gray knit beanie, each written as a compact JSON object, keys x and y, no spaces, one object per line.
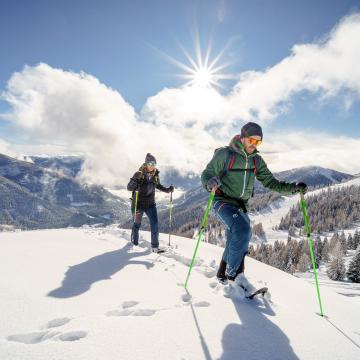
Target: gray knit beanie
{"x":251,"y":129}
{"x":150,"y":158}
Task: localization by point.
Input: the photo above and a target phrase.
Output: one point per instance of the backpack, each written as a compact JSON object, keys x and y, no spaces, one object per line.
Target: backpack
{"x":229,"y":163}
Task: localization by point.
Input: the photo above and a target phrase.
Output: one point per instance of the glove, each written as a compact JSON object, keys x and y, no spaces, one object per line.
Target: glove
{"x":170,"y":189}
{"x":300,"y":188}
{"x":214,"y":182}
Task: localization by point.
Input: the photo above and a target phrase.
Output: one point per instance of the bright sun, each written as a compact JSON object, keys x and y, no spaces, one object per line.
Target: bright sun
{"x":201,"y":72}
{"x":203,"y":77}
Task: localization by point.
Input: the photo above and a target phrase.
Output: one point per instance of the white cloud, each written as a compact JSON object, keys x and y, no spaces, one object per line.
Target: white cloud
{"x":191,"y":107}
{"x":80,"y":115}
{"x":5,"y":148}
{"x":77,"y":112}
{"x":288,"y":150}
{"x":328,"y":68}
{"x":183,"y":126}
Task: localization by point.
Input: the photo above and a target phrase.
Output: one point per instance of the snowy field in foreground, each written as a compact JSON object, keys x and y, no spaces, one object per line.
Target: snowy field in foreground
{"x":85,"y":294}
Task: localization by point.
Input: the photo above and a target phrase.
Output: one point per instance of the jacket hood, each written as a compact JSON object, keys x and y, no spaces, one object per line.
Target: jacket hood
{"x":143,"y":166}
{"x":237,"y":146}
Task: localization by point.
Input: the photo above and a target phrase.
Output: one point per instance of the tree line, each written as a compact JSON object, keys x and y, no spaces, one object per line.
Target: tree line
{"x":330,"y":210}
{"x":294,"y":256}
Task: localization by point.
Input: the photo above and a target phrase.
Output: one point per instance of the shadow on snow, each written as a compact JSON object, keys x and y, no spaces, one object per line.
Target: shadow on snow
{"x":256,"y":337}
{"x":79,"y":278}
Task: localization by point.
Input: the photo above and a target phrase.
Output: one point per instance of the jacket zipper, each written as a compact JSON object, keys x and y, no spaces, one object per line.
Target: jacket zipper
{"x":246,"y":166}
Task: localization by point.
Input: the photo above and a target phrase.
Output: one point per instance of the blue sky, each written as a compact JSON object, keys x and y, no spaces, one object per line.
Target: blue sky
{"x":113,"y":40}
{"x":121,"y":44}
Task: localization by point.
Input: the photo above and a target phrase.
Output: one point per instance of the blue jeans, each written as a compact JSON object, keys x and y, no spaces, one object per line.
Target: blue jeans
{"x":238,"y":234}
{"x":151,"y":213}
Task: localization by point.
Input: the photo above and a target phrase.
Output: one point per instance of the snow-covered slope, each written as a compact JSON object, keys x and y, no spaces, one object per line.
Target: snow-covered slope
{"x":271,"y":216}
{"x":85,"y":294}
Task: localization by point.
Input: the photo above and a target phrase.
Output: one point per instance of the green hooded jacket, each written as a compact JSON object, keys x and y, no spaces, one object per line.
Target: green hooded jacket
{"x":238,"y":183}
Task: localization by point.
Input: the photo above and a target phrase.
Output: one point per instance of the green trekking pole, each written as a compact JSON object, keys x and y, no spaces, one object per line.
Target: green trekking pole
{"x":171,"y":206}
{"x":204,"y":221}
{"x":308,"y":231}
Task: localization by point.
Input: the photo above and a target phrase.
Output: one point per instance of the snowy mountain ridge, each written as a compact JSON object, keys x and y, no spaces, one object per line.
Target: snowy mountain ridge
{"x":38,"y":197}
{"x":314,"y":175}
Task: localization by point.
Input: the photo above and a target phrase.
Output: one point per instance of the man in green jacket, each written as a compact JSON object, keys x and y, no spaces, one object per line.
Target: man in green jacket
{"x":231,"y":174}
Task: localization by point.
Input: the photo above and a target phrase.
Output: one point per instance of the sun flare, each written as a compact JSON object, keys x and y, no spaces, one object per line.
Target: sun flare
{"x":201,"y":71}
{"x":203,"y":77}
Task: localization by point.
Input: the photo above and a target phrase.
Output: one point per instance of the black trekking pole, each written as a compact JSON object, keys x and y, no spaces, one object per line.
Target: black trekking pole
{"x":135,"y":209}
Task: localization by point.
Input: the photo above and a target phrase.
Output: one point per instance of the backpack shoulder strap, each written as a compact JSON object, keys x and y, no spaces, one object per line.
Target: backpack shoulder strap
{"x":157,"y":177}
{"x":229,"y":163}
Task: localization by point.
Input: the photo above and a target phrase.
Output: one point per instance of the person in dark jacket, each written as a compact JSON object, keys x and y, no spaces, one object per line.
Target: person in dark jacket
{"x":232,"y":172}
{"x":145,"y":181}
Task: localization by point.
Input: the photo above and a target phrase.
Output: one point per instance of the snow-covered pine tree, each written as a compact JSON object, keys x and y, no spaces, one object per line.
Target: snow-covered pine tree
{"x":336,"y":269}
{"x":353,"y":272}
{"x":350,"y":243}
{"x":343,"y":244}
{"x":333,"y":241}
{"x":292,"y":230}
{"x":317,"y":247}
{"x":258,"y":230}
{"x":356,"y":239}
{"x":304,"y":263}
{"x":325,"y":252}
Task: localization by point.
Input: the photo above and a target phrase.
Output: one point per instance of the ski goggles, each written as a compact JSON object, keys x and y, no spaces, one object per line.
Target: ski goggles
{"x":151,"y":163}
{"x":253,"y":141}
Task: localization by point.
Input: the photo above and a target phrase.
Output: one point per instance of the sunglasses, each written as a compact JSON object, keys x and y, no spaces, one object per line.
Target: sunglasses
{"x":151,"y":163}
{"x":253,"y":141}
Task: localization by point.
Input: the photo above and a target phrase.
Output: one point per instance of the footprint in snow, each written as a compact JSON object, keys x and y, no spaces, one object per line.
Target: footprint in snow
{"x":125,"y":236}
{"x":213,"y":284}
{"x":213,"y":264}
{"x":144,"y":312}
{"x":209,"y":273}
{"x":37,"y":337}
{"x":57,"y":322}
{"x":186,"y":297}
{"x":72,"y":336}
{"x":128,"y":304}
{"x":128,"y":312}
{"x":40,"y":336}
{"x":119,"y":312}
{"x":202,"y":304}
{"x":34,"y":337}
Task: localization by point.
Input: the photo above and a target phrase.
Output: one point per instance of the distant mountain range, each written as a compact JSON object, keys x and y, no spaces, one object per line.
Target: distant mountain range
{"x":45,"y":193}
{"x":71,"y":166}
{"x":190,"y":207}
{"x":67,"y":165}
{"x":33,"y":196}
{"x":314,"y":176}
